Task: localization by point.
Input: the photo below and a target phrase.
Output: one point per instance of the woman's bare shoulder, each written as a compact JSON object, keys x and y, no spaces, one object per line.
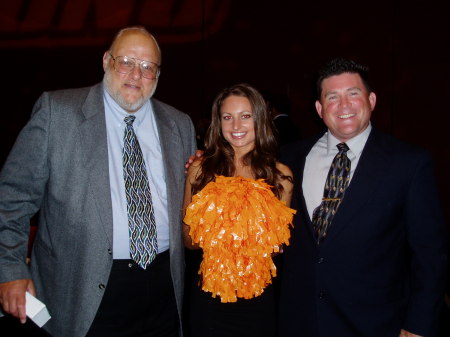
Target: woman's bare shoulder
{"x":194,"y":170}
{"x":284,"y":169}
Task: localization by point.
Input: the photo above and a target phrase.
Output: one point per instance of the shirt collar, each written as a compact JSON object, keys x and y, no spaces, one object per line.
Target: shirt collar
{"x":355,"y":144}
{"x":119,"y":113}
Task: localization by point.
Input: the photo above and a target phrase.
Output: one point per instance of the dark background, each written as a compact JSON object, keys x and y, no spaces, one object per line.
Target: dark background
{"x":276,"y":46}
{"x":209,"y":44}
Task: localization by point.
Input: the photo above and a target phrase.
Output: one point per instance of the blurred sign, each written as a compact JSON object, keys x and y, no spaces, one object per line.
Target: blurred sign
{"x":48,"y":23}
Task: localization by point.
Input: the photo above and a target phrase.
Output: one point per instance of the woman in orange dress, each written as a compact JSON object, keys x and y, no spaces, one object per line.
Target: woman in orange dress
{"x":236,"y":211}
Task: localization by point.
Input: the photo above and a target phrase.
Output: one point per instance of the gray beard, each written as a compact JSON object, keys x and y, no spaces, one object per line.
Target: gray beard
{"x":116,"y":95}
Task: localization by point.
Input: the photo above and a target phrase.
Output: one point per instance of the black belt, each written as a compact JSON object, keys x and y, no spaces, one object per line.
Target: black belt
{"x":160,"y":258}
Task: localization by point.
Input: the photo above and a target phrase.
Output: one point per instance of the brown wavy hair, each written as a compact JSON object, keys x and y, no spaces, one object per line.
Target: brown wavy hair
{"x":219,"y":154}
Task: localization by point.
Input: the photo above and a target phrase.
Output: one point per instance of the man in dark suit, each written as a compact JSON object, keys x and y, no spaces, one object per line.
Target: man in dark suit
{"x":71,"y":163}
{"x":377,"y":267}
{"x":280,"y":107}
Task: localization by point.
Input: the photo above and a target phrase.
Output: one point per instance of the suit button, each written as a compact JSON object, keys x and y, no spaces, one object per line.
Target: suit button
{"x":320,"y":260}
{"x":130,"y":265}
{"x":109,"y":251}
{"x":321,"y":295}
{"x":101,"y":286}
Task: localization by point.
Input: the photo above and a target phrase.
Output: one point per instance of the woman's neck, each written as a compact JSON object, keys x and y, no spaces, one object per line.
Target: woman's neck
{"x":241,"y":169}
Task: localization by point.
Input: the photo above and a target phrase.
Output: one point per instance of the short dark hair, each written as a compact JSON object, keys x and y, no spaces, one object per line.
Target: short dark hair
{"x":339,"y":66}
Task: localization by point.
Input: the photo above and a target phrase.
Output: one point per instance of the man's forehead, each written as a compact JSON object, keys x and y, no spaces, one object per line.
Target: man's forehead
{"x":344,"y":88}
{"x":343,"y":82}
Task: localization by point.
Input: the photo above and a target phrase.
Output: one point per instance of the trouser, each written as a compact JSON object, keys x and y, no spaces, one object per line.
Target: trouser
{"x":138,"y":302}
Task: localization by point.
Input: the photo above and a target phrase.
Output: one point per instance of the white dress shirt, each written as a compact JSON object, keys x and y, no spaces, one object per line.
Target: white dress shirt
{"x":318,"y":162}
{"x":146,"y":132}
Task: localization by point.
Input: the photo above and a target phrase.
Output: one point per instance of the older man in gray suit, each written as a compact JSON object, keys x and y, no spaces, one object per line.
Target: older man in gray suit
{"x":68,"y":165}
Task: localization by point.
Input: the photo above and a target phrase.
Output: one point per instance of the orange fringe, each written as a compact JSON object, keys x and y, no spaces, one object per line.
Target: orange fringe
{"x":239,"y":223}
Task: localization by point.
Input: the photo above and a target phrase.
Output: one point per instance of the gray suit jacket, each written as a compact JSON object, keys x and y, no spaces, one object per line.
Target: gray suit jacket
{"x":59,"y":167}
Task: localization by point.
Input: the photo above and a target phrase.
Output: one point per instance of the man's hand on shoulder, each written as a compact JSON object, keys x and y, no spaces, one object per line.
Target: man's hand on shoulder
{"x":12,"y":297}
{"x":198,"y":154}
{"x":405,"y":333}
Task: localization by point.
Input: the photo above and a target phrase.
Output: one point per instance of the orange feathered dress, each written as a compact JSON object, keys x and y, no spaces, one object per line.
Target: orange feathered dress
{"x":239,"y":223}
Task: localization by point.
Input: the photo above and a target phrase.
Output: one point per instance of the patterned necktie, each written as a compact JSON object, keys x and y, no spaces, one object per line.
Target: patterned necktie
{"x":335,"y":185}
{"x":141,"y":221}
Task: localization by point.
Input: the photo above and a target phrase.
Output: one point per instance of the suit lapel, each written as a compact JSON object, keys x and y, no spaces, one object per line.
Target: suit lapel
{"x":93,"y":139}
{"x":302,"y":202}
{"x":367,"y":178}
{"x":169,"y":144}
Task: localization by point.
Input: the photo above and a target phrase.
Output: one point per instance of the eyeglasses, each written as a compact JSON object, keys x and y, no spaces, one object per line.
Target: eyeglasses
{"x":125,"y":65}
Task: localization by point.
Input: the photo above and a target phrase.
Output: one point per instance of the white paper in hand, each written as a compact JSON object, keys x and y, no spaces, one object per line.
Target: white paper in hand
{"x":36,"y":310}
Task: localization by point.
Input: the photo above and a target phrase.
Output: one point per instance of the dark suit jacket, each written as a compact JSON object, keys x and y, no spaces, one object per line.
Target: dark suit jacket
{"x":59,"y":167}
{"x":381,"y":268}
